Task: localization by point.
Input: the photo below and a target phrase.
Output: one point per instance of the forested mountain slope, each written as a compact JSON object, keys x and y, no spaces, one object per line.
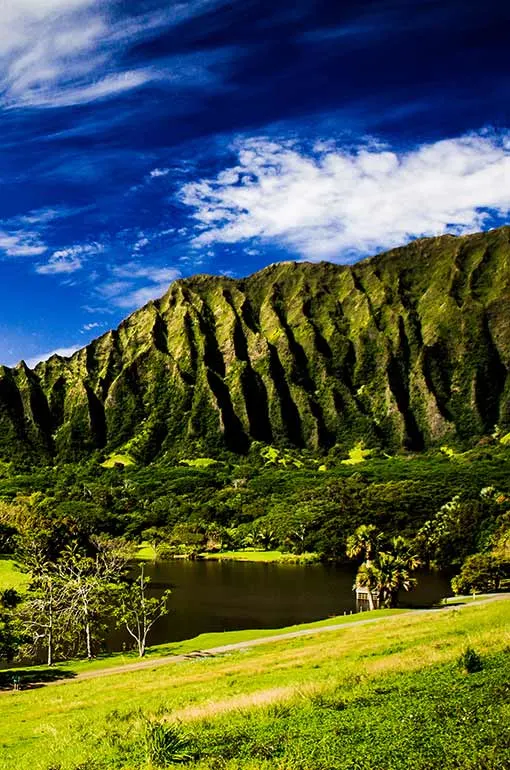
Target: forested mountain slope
{"x":404,"y":350}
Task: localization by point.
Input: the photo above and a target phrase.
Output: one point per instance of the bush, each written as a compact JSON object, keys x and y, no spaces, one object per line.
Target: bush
{"x":480,"y":572}
{"x":470,"y":661}
{"x":165,"y":743}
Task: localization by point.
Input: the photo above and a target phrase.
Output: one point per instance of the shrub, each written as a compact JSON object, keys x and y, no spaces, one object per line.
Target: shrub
{"x":470,"y":661}
{"x":165,"y":743}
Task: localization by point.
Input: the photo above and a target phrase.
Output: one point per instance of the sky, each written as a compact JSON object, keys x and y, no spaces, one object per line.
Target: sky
{"x":146,"y":140}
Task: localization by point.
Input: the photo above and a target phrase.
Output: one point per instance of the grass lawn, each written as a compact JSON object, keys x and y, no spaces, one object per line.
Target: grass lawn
{"x":386,"y":696}
{"x":10,"y":577}
{"x":200,"y":642}
{"x":146,"y":552}
{"x":253,"y":554}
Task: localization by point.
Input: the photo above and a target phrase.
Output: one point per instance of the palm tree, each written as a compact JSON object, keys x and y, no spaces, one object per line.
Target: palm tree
{"x":364,"y":542}
{"x":384,"y":573}
{"x":399,"y":547}
{"x":394,"y":575}
{"x":368,"y":577}
{"x":266,"y":538}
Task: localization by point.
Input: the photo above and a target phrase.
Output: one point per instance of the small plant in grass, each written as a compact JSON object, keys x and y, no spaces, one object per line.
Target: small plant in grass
{"x":165,"y":744}
{"x":470,"y":661}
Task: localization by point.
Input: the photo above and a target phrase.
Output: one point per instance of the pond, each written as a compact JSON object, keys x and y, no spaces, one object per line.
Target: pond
{"x":230,"y":595}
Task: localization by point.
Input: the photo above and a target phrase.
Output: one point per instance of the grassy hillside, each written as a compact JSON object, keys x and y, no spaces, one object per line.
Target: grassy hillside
{"x":389,"y":695}
{"x":404,"y":350}
{"x":10,"y":577}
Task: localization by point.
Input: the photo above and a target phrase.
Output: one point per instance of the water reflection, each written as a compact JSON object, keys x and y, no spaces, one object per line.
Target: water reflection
{"x":224,"y":596}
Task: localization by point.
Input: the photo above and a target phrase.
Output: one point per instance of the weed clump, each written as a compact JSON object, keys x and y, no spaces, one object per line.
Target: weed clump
{"x":165,"y":743}
{"x":470,"y":661}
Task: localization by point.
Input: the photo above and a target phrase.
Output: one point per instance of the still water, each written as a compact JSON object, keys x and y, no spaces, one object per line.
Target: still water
{"x":224,"y":596}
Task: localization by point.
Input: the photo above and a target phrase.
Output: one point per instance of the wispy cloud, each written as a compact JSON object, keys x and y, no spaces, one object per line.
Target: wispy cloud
{"x":336,"y":203}
{"x":133,"y":284}
{"x":111,"y":85}
{"x":21,"y":243}
{"x":389,"y":19}
{"x":69,"y":260}
{"x":60,"y":53}
{"x":48,"y":214}
{"x":158,"y":172}
{"x":141,"y":243}
{"x":91,"y":326}
{"x":64,"y":352}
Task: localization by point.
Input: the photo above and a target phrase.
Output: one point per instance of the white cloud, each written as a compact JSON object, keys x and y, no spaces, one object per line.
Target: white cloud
{"x":134,"y":284}
{"x":157,"y":172}
{"x":64,"y":352}
{"x":91,"y":326}
{"x":21,"y":243}
{"x":139,"y":297}
{"x":57,"y":53}
{"x":113,"y":288}
{"x":45,"y":216}
{"x":97,"y":309}
{"x":141,"y":243}
{"x":337,"y":203}
{"x":111,"y":85}
{"x":153,"y":273}
{"x":69,"y":260}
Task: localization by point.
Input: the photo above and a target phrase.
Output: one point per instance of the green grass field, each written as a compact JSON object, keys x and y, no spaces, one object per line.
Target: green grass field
{"x":251,"y":554}
{"x":146,"y":552}
{"x":10,"y":577}
{"x":201,"y":642}
{"x":386,"y":696}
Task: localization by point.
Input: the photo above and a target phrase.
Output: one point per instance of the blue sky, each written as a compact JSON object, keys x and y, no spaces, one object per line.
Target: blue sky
{"x":146,"y":140}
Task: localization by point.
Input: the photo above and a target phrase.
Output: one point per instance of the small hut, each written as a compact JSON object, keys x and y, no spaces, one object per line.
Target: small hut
{"x":363,"y":601}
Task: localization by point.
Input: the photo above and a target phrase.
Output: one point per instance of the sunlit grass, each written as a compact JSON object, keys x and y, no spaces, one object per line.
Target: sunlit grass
{"x":10,"y":576}
{"x":120,"y":459}
{"x":68,"y":723}
{"x":258,"y":555}
{"x":204,"y":642}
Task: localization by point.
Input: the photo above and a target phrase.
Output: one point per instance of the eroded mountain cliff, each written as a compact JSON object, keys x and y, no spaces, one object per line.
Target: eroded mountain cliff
{"x":404,"y":350}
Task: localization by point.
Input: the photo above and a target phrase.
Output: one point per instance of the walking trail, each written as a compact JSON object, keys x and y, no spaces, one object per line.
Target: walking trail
{"x":127,"y":668}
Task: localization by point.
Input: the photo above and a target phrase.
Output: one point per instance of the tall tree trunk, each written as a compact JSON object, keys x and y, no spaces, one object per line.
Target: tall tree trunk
{"x":50,"y":625}
{"x":88,"y":639}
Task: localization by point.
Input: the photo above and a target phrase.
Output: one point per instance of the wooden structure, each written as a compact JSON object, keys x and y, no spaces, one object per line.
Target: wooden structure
{"x":362,"y":600}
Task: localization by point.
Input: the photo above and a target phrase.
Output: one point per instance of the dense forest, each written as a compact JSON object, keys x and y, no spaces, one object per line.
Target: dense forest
{"x":275,"y":498}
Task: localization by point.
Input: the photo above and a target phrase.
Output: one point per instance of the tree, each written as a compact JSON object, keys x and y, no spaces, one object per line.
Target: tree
{"x":10,"y":631}
{"x":43,"y":614}
{"x":364,"y":542}
{"x":480,"y":572}
{"x":383,"y":572}
{"x":138,"y":612}
{"x":89,"y":581}
{"x":393,"y":575}
{"x":368,"y":577}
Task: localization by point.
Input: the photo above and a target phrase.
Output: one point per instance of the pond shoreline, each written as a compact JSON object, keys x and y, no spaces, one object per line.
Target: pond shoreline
{"x":206,"y":646}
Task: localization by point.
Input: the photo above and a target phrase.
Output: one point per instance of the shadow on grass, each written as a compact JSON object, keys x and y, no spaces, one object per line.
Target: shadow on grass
{"x":30,"y":679}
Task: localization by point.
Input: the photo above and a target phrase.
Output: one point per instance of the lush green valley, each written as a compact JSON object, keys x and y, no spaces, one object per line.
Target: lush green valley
{"x":311,"y":412}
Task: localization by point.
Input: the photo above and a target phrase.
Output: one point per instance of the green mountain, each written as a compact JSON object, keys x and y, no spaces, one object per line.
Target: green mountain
{"x":407,"y":349}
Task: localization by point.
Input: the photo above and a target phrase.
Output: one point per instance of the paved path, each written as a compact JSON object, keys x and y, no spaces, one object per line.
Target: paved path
{"x":212,"y":651}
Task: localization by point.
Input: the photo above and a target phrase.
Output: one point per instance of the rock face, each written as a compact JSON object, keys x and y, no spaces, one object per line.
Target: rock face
{"x":407,"y":349}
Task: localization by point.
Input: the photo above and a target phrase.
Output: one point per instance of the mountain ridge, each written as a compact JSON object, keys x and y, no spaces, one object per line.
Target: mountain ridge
{"x":404,"y":349}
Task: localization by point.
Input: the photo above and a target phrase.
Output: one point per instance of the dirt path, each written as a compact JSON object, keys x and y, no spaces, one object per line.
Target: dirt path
{"x":225,"y":648}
